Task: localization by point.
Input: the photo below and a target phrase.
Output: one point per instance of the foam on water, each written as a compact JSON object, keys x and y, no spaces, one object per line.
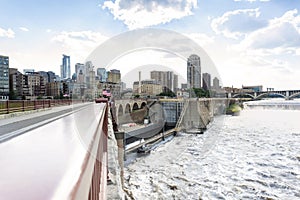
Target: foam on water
{"x":252,"y":156}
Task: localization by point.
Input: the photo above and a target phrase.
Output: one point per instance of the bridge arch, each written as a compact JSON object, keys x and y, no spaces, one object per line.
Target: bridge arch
{"x":270,"y":94}
{"x":135,"y":106}
{"x":143,"y":105}
{"x":244,"y":94}
{"x":294,"y":95}
{"x":127,"y":108}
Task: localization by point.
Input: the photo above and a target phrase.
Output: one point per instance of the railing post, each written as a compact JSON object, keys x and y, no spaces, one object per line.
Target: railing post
{"x":7,"y":106}
{"x":34,"y":104}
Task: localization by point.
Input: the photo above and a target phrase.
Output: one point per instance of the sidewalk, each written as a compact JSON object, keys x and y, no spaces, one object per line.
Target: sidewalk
{"x":20,"y":116}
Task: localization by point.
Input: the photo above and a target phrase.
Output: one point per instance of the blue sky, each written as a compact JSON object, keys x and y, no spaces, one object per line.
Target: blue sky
{"x":251,"y":42}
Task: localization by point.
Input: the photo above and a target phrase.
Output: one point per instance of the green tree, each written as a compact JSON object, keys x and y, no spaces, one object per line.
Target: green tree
{"x":12,"y":95}
{"x":200,"y":92}
{"x":168,"y":94}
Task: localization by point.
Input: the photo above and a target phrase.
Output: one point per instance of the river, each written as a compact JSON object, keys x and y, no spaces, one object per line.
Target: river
{"x":252,"y":156}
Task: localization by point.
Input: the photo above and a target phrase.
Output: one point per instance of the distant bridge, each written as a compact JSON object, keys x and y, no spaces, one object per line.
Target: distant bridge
{"x":287,"y":94}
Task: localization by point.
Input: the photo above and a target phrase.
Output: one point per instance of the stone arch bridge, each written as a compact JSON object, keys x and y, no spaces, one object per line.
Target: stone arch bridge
{"x":124,"y":107}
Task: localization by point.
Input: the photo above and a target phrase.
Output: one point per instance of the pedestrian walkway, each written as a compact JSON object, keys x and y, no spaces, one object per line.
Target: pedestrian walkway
{"x":21,"y":116}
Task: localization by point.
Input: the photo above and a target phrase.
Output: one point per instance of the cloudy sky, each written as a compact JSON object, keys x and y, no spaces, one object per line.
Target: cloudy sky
{"x":251,"y":42}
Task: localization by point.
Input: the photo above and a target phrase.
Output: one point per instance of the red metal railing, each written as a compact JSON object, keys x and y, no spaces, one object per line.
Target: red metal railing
{"x":12,"y":106}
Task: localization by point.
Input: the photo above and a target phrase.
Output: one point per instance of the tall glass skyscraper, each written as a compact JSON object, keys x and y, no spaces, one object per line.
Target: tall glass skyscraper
{"x":65,"y":68}
{"x":194,"y":71}
{"x":4,"y":77}
{"x":101,"y":72}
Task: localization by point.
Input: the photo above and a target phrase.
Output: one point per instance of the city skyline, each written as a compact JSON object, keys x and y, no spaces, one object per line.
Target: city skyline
{"x":251,"y":42}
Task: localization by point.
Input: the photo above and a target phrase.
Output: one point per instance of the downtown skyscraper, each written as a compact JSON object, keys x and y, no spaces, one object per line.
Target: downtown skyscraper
{"x":65,"y":68}
{"x":194,"y":71}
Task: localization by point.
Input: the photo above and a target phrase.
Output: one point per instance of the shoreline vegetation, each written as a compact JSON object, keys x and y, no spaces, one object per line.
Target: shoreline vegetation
{"x":234,"y":109}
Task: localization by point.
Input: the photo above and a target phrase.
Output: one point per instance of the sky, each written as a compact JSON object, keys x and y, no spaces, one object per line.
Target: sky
{"x":251,"y":42}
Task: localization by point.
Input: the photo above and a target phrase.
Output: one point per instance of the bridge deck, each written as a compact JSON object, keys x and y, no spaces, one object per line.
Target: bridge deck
{"x":54,"y":160}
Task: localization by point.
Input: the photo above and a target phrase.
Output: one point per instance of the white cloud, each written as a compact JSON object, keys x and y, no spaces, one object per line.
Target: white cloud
{"x":9,"y":33}
{"x":234,"y":24}
{"x":79,"y":44}
{"x":145,"y":13}
{"x":201,"y":38}
{"x":251,"y":1}
{"x":24,"y":29}
{"x":282,"y":35}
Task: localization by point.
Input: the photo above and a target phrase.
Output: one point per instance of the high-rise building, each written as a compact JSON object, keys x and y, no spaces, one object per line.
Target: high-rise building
{"x":114,"y":76}
{"x":175,"y":82}
{"x":51,"y":76}
{"x":89,"y":66}
{"x":15,"y":83}
{"x":53,"y":89}
{"x":194,"y":71}
{"x":184,"y":86}
{"x":122,"y":86}
{"x":159,"y":76}
{"x":4,"y":77}
{"x":36,"y":84}
{"x":78,"y":67}
{"x":206,"y":81}
{"x":102,"y":74}
{"x":65,"y":68}
{"x":216,"y":83}
{"x":167,"y":79}
{"x":80,"y":71}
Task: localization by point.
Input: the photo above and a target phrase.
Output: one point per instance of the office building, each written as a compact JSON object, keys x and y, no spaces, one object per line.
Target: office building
{"x":102,"y":74}
{"x":194,"y":71}
{"x":114,"y":76}
{"x":36,"y":84}
{"x":53,"y":89}
{"x":65,"y":68}
{"x":206,"y":81}
{"x":122,"y":86}
{"x":184,"y":86}
{"x":147,"y":88}
{"x":167,"y":79}
{"x":79,"y":67}
{"x":175,"y":83}
{"x":216,"y":83}
{"x":4,"y":77}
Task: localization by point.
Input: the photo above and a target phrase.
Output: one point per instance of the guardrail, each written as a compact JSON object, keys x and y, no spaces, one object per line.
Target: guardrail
{"x":65,"y":159}
{"x":11,"y":106}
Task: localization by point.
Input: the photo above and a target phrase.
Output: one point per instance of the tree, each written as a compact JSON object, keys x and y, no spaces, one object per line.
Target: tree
{"x":168,"y":94}
{"x":200,"y":92}
{"x":12,"y":95}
